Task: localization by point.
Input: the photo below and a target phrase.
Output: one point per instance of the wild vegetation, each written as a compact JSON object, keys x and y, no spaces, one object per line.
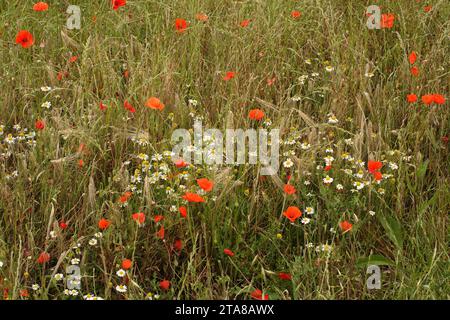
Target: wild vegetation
{"x":88,"y":182}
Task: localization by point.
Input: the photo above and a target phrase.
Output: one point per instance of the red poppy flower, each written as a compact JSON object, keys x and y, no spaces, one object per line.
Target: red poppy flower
{"x":24,"y":293}
{"x":160,"y":233}
{"x":327,"y":168}
{"x":124,"y":198}
{"x":415,"y":71}
{"x":377,"y":175}
{"x":229,"y":75}
{"x":345,"y":226}
{"x":40,"y":6}
{"x":428,"y":99}
{"x":39,"y":125}
{"x":387,"y":20}
{"x":80,"y":163}
{"x":102,"y":106}
{"x":245,"y":23}
{"x":205,"y":184}
{"x":126,"y":264}
{"x":128,"y":106}
{"x":73,"y":59}
{"x":103,"y":224}
{"x":289,"y":189}
{"x":412,"y":57}
{"x":411,"y":98}
{"x":63,"y":225}
{"x":228,"y":252}
{"x":284,"y":276}
{"x":373,"y":166}
{"x":296,"y":14}
{"x":178,"y":245}
{"x":438,"y":98}
{"x":25,"y":39}
{"x":154,"y":103}
{"x":118,"y":3}
{"x":292,"y":213}
{"x":258,"y":295}
{"x":193,"y":197}
{"x":158,"y":218}
{"x":180,"y":163}
{"x":164,"y":285}
{"x":427,"y":8}
{"x":180,"y":25}
{"x":183,"y":211}
{"x":256,"y":114}
{"x":43,"y":258}
{"x":139,"y":217}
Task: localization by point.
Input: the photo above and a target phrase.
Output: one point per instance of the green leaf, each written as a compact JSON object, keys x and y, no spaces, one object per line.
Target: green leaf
{"x":393,"y":229}
{"x":375,"y":259}
{"x":422,"y":169}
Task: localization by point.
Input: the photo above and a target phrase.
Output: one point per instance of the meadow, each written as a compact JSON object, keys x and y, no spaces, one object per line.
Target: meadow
{"x":89,"y":186}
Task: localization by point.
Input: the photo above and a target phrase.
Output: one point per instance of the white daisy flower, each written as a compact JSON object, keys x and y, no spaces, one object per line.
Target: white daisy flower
{"x":332,"y":119}
{"x":73,"y":292}
{"x":58,"y":276}
{"x":327,"y":180}
{"x":348,"y":142}
{"x":46,"y":105}
{"x":358,"y":185}
{"x":393,"y":166}
{"x":121,"y":273}
{"x":305,"y":146}
{"x":306,"y":220}
{"x":121,"y":288}
{"x":288,"y":163}
{"x":360,"y":174}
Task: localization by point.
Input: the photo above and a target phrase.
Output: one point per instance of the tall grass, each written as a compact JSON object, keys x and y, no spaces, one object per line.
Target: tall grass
{"x":410,"y":226}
